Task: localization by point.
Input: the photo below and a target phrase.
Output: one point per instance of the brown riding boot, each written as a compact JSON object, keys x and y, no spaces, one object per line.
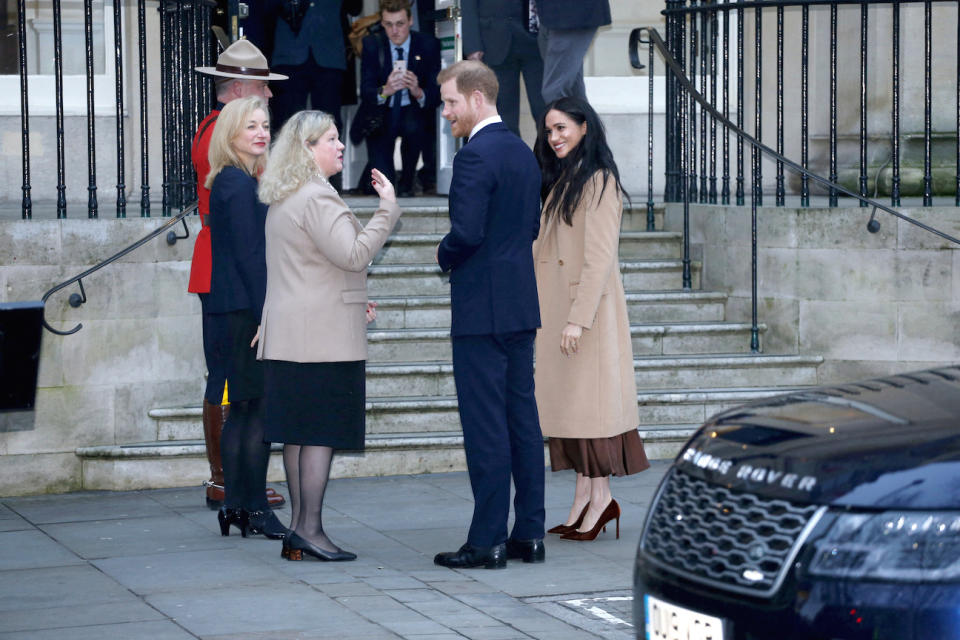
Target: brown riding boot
{"x":213,"y":418}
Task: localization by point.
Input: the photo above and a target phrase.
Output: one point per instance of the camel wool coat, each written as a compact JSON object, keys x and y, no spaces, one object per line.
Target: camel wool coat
{"x":592,"y":394}
{"x":317,"y":257}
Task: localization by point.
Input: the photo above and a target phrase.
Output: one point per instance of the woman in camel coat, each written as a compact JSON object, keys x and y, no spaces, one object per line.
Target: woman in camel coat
{"x":585,"y":387}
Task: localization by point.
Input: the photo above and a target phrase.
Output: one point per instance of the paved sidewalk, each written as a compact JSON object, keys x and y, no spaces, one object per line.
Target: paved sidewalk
{"x":152,"y":564}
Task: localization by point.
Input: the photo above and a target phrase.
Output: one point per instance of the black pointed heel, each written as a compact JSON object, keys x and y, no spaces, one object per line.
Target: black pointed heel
{"x":298,"y":546}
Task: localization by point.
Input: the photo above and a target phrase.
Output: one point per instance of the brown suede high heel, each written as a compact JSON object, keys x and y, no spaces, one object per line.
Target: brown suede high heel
{"x":567,"y":528}
{"x":612,"y":511}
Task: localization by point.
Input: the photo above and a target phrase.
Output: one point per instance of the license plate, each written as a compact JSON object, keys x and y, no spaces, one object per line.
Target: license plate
{"x":667,"y":621}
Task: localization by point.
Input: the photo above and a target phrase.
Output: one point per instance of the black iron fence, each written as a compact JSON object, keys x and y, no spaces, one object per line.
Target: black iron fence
{"x":825,"y":47}
{"x":185,"y":41}
{"x":701,"y":38}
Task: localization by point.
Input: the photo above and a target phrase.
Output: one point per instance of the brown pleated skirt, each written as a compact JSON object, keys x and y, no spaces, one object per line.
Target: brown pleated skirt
{"x":620,"y":455}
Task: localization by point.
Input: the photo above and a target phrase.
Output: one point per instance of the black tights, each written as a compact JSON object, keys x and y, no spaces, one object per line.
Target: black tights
{"x":308,"y":469}
{"x":245,"y":457}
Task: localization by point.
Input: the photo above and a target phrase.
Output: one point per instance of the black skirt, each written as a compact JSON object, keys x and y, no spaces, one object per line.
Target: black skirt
{"x":315,"y":403}
{"x":244,"y":372}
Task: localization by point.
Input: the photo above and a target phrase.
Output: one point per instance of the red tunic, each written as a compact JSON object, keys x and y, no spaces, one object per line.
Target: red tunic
{"x":202,"y":264}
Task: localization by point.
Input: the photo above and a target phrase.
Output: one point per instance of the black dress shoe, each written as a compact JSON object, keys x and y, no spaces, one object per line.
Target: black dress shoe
{"x":526,"y":550}
{"x":468,"y":556}
{"x":297,"y":546}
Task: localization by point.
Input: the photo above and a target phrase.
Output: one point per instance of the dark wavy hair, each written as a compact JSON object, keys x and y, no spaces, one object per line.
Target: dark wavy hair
{"x":570,"y":175}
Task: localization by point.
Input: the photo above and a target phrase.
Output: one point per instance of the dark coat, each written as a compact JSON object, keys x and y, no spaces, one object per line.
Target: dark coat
{"x":237,"y":217}
{"x":491,"y":25}
{"x":573,"y":14}
{"x":494,"y":219}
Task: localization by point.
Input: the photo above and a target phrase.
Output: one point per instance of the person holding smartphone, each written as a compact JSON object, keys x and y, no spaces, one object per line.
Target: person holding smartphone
{"x":398,"y":71}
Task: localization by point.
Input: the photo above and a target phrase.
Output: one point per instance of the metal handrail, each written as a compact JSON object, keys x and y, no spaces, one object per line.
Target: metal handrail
{"x":657,"y":41}
{"x":77,"y":299}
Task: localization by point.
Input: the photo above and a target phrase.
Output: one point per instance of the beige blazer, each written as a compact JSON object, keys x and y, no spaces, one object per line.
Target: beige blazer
{"x":592,"y":394}
{"x":317,"y":258}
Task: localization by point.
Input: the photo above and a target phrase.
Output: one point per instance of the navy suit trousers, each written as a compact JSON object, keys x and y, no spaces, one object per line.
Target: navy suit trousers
{"x":501,"y":434}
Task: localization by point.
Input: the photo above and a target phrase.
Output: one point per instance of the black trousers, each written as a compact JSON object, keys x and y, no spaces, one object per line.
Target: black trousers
{"x":501,"y":434}
{"x":320,"y":84}
{"x":410,"y":126}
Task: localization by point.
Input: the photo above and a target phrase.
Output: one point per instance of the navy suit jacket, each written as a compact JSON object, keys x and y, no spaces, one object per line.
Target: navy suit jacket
{"x":491,"y":25}
{"x":237,"y":218}
{"x":424,"y":62}
{"x":573,"y":14}
{"x":494,"y":219}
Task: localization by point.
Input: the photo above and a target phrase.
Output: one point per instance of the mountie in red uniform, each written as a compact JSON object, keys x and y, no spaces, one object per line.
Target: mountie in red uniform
{"x":202,"y":263}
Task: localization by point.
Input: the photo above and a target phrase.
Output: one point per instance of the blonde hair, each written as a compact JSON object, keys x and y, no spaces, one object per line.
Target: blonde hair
{"x":472,"y":75}
{"x":291,"y":163}
{"x":230,"y":122}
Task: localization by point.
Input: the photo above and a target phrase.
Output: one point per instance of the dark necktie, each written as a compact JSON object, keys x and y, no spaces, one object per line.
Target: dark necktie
{"x":398,"y":95}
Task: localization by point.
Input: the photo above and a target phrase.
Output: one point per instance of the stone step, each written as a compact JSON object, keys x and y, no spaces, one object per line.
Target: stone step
{"x":652,"y":372}
{"x":183,"y":463}
{"x":669,"y":408}
{"x":433,"y":345}
{"x":726,"y":371}
{"x":695,"y":406}
{"x":423,"y":312}
{"x":413,"y":248}
{"x":428,"y":280}
{"x":436,"y":218}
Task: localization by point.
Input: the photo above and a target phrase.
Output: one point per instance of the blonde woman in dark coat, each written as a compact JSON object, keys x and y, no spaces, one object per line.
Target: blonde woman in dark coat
{"x":313,"y":337}
{"x":585,"y":387}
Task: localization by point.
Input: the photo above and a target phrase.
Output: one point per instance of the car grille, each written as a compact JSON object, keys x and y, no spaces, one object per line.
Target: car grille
{"x":731,"y":540}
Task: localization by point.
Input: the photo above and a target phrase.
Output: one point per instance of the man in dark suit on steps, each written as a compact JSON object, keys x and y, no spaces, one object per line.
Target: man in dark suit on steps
{"x":494,"y":219}
{"x":398,"y":71}
{"x":503,"y":35}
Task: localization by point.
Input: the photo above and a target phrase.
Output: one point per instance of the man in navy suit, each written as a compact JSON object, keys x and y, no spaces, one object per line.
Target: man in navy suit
{"x":503,"y":34}
{"x":399,"y":73}
{"x":308,"y":44}
{"x":494,"y":218}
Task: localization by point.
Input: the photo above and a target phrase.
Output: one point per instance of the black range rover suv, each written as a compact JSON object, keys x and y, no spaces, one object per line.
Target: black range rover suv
{"x":831,"y":513}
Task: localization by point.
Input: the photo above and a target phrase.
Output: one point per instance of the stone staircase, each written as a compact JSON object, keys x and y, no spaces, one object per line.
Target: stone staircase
{"x":690,"y":362}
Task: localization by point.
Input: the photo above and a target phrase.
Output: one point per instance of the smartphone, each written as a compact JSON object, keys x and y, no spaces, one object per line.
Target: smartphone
{"x":400,"y":65}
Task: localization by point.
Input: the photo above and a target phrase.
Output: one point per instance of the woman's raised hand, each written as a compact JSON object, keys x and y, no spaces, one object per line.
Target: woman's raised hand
{"x":382,"y":186}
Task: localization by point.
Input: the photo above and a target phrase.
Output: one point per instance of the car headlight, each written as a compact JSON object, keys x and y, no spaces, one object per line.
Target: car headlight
{"x":906,"y":546}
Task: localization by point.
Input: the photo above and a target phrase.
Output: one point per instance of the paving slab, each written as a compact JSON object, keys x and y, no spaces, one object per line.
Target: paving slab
{"x":133,"y":536}
{"x":159,"y":630}
{"x":217,"y":571}
{"x":31,"y":549}
{"x":238,"y":610}
{"x":152,"y":564}
{"x":45,"y":591}
{"x":88,"y":505}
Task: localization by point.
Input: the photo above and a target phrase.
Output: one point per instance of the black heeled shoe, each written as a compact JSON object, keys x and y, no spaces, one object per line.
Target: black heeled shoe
{"x":235,"y":517}
{"x":266,"y":523}
{"x":297,"y":546}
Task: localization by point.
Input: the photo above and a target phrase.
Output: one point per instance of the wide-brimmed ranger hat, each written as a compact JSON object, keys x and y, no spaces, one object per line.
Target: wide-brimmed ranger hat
{"x":242,"y":60}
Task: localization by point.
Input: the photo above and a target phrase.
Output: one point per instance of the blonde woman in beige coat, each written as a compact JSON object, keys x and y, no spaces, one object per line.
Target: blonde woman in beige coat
{"x":313,"y":335}
{"x":585,"y":387}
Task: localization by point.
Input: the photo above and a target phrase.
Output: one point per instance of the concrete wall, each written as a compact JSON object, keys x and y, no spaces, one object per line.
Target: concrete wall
{"x":870,"y":304}
{"x":140,"y":345}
